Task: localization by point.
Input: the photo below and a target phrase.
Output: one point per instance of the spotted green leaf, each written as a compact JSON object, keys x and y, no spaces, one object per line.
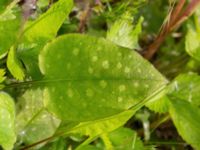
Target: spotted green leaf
{"x":10,"y":21}
{"x":123,"y":33}
{"x":95,"y":77}
{"x":186,"y":117}
{"x":38,"y":32}
{"x":7,"y":118}
{"x":33,"y":122}
{"x":14,"y":65}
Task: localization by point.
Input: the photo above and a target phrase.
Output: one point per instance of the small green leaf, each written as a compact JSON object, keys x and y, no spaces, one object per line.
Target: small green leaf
{"x":160,"y":102}
{"x":126,"y":139}
{"x":186,"y":118}
{"x":192,"y":44}
{"x":95,"y":77}
{"x":33,"y":122}
{"x":123,"y":33}
{"x":7,"y":118}
{"x":186,"y":87}
{"x":14,"y":65}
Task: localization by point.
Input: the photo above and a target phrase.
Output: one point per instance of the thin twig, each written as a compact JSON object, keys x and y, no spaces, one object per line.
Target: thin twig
{"x":190,"y":9}
{"x":83,"y":19}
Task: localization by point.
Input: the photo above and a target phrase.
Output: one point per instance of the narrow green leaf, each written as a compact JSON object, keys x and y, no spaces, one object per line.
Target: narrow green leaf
{"x":2,"y":77}
{"x":97,"y":127}
{"x":14,"y":65}
{"x":10,"y":21}
{"x":33,"y":122}
{"x":186,"y":118}
{"x":123,"y":33}
{"x":7,"y":118}
{"x":38,"y":32}
{"x":95,"y":77}
{"x":47,"y":25}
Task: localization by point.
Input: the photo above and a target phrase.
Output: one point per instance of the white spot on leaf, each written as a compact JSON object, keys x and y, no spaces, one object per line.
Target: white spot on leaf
{"x":127,"y":70}
{"x":103,"y":83}
{"x":105,"y":64}
{"x":119,"y":65}
{"x":94,"y":58}
{"x":136,"y":84}
{"x":76,"y":51}
{"x":89,"y":92}
{"x":139,"y":70}
{"x":119,"y":99}
{"x":119,"y":54}
{"x":122,"y":88}
{"x":90,"y":70}
{"x":70,"y":93}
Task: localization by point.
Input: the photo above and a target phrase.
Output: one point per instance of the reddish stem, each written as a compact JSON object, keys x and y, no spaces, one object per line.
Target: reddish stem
{"x":177,"y":17}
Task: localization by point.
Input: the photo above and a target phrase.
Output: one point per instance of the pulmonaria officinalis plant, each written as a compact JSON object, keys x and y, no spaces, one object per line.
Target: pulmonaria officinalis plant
{"x":92,"y":75}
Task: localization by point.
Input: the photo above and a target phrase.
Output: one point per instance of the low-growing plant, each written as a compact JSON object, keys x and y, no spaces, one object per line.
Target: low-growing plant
{"x":92,"y":75}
